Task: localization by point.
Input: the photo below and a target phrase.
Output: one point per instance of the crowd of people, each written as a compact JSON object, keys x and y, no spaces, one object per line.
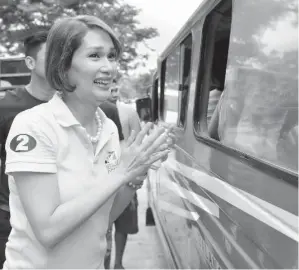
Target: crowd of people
{"x":72,"y":155}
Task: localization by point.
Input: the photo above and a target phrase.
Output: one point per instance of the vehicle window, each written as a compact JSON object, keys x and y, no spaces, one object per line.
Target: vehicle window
{"x":13,"y":72}
{"x":213,"y":61}
{"x":171,"y":87}
{"x":13,"y":66}
{"x":186,"y":50}
{"x":143,"y":108}
{"x":258,"y":109}
{"x":219,"y":66}
{"x":16,"y":80}
{"x":177,"y":82}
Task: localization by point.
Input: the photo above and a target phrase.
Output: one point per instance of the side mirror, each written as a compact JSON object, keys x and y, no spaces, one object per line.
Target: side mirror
{"x":144,"y":109}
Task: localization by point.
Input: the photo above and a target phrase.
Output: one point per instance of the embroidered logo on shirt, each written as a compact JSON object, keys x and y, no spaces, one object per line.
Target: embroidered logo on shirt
{"x":111,"y":161}
{"x":22,"y":143}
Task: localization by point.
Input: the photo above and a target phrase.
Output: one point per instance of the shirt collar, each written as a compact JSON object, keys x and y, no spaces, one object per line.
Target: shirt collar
{"x":65,"y":117}
{"x":61,"y":112}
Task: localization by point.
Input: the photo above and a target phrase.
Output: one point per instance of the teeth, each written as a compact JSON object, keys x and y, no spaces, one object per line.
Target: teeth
{"x":101,"y":82}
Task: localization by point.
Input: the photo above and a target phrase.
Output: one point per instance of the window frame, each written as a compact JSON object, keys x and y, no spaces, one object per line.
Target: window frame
{"x":181,"y":84}
{"x":181,"y":57}
{"x":155,"y":99}
{"x":203,"y":81}
{"x":161,"y":90}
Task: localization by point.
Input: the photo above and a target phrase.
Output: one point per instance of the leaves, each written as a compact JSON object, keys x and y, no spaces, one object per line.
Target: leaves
{"x":138,"y":86}
{"x":17,"y":19}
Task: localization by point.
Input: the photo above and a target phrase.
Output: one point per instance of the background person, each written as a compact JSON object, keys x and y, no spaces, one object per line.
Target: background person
{"x":14,"y":101}
{"x":111,"y":112}
{"x":67,"y":151}
{"x":127,"y":222}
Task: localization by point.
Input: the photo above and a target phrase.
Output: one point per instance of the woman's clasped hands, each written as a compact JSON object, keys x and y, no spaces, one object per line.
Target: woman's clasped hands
{"x":141,"y":151}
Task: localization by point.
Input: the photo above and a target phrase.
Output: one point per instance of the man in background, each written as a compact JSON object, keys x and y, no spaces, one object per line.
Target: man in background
{"x":15,"y":101}
{"x":111,"y":112}
{"x":127,"y":222}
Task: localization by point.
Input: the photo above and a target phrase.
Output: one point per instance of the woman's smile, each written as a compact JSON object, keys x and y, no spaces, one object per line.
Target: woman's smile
{"x":103,"y":83}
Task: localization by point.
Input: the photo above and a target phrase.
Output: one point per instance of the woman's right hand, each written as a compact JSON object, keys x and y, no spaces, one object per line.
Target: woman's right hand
{"x":139,"y":153}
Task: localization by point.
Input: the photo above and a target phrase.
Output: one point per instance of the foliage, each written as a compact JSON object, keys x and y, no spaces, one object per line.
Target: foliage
{"x":137,"y":86}
{"x":20,"y":16}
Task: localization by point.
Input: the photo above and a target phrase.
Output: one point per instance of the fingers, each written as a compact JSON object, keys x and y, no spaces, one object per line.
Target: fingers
{"x":162,"y":147}
{"x":171,"y":140}
{"x":145,"y":159}
{"x":155,"y":166}
{"x":132,"y":138}
{"x":149,"y":160}
{"x":144,"y":131}
{"x":155,"y":145}
{"x":145,"y":164}
{"x":152,"y":138}
{"x":161,"y":155}
{"x":152,"y":148}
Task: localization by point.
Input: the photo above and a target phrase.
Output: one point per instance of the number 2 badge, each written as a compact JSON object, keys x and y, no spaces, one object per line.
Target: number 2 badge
{"x":22,"y":143}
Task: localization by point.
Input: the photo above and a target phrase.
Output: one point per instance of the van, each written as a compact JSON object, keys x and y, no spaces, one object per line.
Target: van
{"x":227,"y":196}
{"x":13,"y":72}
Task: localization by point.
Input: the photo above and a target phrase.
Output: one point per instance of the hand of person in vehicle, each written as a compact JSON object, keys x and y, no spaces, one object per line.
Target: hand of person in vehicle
{"x":140,"y":153}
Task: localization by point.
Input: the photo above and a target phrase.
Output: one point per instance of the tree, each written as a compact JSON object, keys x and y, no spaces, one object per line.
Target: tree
{"x":143,"y":84}
{"x":138,"y":86}
{"x":249,"y":39}
{"x":20,"y":16}
{"x":126,"y":88}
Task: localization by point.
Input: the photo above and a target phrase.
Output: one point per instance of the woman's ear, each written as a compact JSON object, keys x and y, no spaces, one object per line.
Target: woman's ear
{"x":30,"y":62}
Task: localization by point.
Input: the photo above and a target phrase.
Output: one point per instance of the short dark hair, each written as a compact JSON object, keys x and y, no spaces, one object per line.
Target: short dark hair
{"x":64,"y":39}
{"x":33,"y":42}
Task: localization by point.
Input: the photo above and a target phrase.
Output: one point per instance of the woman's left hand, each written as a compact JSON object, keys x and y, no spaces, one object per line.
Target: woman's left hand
{"x":140,"y":153}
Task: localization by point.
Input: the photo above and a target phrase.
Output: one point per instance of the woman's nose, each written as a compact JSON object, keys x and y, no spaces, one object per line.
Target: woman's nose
{"x":108,"y":67}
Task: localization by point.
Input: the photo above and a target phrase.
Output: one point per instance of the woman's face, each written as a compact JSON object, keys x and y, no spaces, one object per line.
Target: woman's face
{"x":93,"y":67}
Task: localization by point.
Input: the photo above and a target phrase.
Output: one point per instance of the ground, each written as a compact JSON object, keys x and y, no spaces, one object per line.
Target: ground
{"x":143,"y":250}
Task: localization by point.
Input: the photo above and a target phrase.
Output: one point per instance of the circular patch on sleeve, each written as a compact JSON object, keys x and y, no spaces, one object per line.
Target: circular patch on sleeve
{"x":22,"y":143}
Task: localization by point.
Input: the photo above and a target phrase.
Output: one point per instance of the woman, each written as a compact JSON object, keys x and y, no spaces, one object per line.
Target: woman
{"x":68,"y":179}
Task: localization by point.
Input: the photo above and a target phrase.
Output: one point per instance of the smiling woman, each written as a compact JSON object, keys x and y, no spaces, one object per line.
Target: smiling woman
{"x":69,"y":178}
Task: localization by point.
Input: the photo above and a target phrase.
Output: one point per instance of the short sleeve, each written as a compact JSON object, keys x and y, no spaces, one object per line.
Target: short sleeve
{"x":30,"y":145}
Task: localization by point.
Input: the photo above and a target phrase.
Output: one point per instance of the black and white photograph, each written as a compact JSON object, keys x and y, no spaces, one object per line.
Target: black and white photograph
{"x":149,"y":134}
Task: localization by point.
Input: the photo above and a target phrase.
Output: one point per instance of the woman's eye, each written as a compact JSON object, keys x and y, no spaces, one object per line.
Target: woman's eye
{"x":94,"y":55}
{"x":112,"y":56}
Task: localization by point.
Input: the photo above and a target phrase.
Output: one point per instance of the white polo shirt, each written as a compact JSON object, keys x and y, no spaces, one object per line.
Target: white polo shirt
{"x":48,"y":138}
